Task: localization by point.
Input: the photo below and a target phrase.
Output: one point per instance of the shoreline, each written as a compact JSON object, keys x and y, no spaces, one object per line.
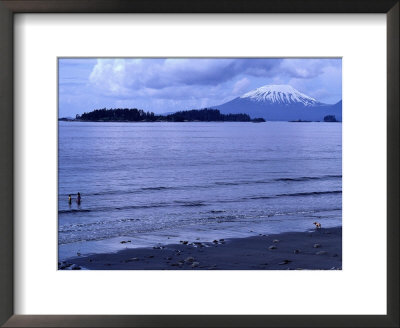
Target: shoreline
{"x":320,"y":249}
{"x":87,"y":121}
{"x":252,"y":121}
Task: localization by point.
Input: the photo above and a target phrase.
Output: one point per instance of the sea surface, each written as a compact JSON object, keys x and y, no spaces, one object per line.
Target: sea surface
{"x":145,"y":184}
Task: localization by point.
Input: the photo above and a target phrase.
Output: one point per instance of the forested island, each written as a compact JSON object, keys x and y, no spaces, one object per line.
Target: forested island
{"x":330,"y":118}
{"x":139,"y":115}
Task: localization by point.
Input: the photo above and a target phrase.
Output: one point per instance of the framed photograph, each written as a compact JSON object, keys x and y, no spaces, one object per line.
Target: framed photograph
{"x":218,"y":164}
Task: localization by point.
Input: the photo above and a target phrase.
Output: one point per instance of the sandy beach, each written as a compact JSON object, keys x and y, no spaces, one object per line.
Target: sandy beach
{"x":320,"y":249}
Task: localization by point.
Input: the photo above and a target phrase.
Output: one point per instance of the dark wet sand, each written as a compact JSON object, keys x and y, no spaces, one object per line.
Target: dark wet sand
{"x":317,"y":250}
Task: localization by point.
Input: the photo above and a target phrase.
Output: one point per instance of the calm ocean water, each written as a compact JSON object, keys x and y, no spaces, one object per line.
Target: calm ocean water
{"x":156,"y":183}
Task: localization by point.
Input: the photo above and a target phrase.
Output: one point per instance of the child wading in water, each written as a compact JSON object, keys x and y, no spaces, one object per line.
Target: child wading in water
{"x":78,"y":200}
{"x":69,"y":200}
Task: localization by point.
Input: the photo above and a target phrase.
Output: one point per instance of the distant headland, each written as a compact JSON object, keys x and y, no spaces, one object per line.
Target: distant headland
{"x":139,"y":115}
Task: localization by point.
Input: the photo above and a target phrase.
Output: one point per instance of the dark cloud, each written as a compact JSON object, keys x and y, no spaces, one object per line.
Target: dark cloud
{"x":158,"y":74}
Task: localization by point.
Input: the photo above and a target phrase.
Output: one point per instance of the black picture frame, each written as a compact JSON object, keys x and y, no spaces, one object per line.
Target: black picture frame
{"x":10,"y":7}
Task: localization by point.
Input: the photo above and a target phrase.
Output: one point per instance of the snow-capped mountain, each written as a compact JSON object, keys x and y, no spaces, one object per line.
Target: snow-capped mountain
{"x":280,"y":103}
{"x":280,"y":94}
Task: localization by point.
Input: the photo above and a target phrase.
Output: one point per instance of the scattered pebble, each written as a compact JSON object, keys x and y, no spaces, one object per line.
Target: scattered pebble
{"x":284,"y":262}
{"x":272,"y":247}
{"x":215,"y":241}
{"x":335,"y":255}
{"x":184,"y":242}
{"x":189,"y":259}
{"x":317,"y":246}
{"x":275,"y":241}
{"x":321,"y":253}
{"x":296,"y":251}
{"x":64,"y":265}
{"x":195,"y":264}
{"x":125,"y":241}
{"x":75,"y":267}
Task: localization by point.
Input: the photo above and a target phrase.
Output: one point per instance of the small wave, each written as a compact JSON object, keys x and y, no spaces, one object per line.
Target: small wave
{"x":298,"y":194}
{"x":73,"y":211}
{"x":189,"y":203}
{"x":105,"y":209}
{"x":194,"y":204}
{"x":72,"y":227}
{"x":217,"y":211}
{"x":259,"y":197}
{"x":312,"y":193}
{"x":130,"y":191}
{"x":132,"y":207}
{"x":222,"y":183}
{"x":324,"y":177}
{"x":128,"y":220}
{"x":157,"y":188}
{"x":240,"y":183}
{"x":206,"y":186}
{"x":284,"y":179}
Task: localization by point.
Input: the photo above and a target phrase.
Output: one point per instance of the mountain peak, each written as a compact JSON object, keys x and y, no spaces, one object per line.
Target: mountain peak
{"x":282,"y":94}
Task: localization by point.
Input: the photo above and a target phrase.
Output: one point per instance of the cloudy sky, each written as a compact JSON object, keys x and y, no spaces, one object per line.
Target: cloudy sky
{"x":165,"y":85}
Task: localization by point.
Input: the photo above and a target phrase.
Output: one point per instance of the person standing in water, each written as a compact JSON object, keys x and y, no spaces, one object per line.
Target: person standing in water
{"x":69,"y":200}
{"x":78,"y":200}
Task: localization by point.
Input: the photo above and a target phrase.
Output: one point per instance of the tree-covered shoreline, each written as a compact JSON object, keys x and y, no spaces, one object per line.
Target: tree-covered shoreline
{"x":139,"y":115}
